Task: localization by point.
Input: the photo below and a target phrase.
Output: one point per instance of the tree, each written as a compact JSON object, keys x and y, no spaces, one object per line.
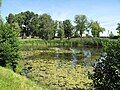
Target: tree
{"x":24,"y":20}
{"x":81,"y":23}
{"x":60,"y":30}
{"x":9,"y":46}
{"x":118,"y":29}
{"x":28,"y":17}
{"x":14,"y":25}
{"x":34,"y":25}
{"x":96,"y":29}
{"x":107,"y":70}
{"x":10,"y":18}
{"x":68,"y":27}
{"x":46,"y":28}
{"x":55,"y":24}
{"x":17,"y":20}
{"x":111,"y":35}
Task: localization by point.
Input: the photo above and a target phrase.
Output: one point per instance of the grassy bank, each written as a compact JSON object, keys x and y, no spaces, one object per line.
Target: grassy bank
{"x":73,"y":42}
{"x":12,"y":81}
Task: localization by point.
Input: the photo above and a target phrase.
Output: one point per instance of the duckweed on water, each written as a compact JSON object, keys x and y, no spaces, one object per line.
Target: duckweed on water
{"x":58,"y":74}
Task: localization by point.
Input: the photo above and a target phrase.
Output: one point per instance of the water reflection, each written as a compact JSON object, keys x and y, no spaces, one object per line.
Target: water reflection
{"x":84,"y":56}
{"x":74,"y":57}
{"x":87,"y":57}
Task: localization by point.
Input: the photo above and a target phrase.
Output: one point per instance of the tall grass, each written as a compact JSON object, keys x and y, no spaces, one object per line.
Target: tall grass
{"x":73,"y":42}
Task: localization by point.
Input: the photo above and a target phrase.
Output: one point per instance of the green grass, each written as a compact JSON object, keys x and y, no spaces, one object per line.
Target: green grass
{"x":12,"y":81}
{"x":73,"y":42}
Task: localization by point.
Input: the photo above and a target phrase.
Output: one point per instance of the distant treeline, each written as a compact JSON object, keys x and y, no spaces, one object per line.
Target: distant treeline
{"x":29,"y":24}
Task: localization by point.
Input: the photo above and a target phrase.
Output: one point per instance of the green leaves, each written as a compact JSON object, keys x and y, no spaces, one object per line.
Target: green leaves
{"x":59,"y":29}
{"x":96,"y":29}
{"x":9,"y":46}
{"x":107,"y":70}
{"x":81,"y":23}
{"x":68,"y":27}
{"x":46,"y":29}
{"x":118,"y":29}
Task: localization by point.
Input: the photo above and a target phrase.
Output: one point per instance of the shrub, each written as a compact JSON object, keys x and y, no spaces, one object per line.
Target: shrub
{"x":9,"y":46}
{"x":107,"y":70}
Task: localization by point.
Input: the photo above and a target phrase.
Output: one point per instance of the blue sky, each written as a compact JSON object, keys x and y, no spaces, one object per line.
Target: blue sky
{"x":107,"y":12}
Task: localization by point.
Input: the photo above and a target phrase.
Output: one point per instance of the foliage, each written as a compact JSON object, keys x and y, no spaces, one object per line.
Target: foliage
{"x":73,"y":42}
{"x":24,"y":20}
{"x":55,"y":28}
{"x":60,"y":30}
{"x":96,"y":29}
{"x":107,"y":71}
{"x":10,"y":18}
{"x":81,"y":23}
{"x":118,"y":29}
{"x":15,"y":26}
{"x":9,"y":46}
{"x":34,"y":24}
{"x":111,"y":35}
{"x":68,"y":27}
{"x":46,"y":27}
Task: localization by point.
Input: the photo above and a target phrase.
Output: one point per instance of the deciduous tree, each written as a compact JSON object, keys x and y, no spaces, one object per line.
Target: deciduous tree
{"x":81,"y":23}
{"x":60,"y":30}
{"x":68,"y":27}
{"x":46,"y":29}
{"x":118,"y":29}
{"x":96,"y":29}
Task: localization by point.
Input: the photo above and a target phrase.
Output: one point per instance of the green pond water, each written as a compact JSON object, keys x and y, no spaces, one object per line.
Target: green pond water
{"x":84,"y":56}
{"x":60,"y":68}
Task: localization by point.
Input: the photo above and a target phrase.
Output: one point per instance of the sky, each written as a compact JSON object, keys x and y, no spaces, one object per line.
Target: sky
{"x":106,"y":12}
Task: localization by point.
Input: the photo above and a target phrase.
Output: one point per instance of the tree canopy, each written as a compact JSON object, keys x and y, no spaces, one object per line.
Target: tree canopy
{"x":68,"y":27}
{"x":81,"y":23}
{"x":96,"y":28}
{"x":44,"y":27}
{"x":118,"y":29}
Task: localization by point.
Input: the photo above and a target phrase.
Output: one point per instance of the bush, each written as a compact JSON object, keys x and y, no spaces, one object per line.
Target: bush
{"x":107,"y":70}
{"x":9,"y":46}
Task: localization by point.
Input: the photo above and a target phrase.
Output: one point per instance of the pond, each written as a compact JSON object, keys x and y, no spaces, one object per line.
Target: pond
{"x":85,"y":56}
{"x":60,"y":68}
